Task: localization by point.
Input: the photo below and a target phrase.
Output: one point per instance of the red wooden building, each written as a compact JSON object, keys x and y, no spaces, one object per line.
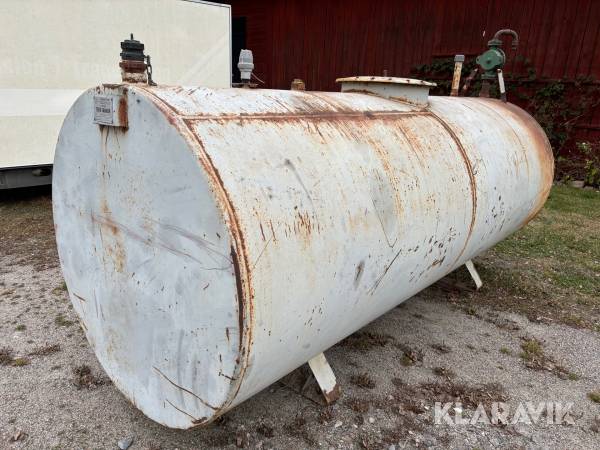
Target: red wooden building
{"x":319,"y":41}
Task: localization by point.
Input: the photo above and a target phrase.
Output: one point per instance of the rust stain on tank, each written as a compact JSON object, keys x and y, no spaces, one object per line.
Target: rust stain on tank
{"x":304,"y":225}
{"x":543,"y":150}
{"x":122,"y":111}
{"x":113,"y":243}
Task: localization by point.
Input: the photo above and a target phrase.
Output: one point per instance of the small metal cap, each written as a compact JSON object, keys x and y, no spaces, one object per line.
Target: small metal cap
{"x":459,"y":58}
{"x":133,"y":50}
{"x":246,"y":64}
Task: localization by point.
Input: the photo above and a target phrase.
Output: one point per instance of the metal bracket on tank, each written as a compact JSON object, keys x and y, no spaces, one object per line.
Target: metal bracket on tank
{"x":476,"y":278}
{"x":325,"y":378}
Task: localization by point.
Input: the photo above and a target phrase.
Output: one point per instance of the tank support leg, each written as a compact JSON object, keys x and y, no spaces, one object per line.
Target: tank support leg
{"x":325,"y":378}
{"x":474,"y":274}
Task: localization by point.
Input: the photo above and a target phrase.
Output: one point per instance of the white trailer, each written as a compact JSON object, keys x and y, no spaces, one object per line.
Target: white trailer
{"x":52,"y":51}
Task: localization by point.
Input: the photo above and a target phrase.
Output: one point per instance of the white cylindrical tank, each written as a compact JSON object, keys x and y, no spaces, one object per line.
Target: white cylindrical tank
{"x":212,"y":240}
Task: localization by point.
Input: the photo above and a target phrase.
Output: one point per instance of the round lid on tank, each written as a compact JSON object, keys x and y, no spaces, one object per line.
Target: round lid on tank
{"x":408,"y":90}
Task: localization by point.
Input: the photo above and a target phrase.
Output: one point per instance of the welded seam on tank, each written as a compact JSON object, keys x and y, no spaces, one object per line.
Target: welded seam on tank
{"x":235,"y":259}
{"x":293,"y":115}
{"x":237,"y":236}
{"x":472,"y":181}
{"x":316,"y":115}
{"x":289,"y":115}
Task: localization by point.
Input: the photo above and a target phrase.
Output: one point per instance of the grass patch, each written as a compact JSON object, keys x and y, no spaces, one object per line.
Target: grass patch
{"x":565,"y":199}
{"x":532,"y":350}
{"x":59,"y":290}
{"x":594,"y":396}
{"x":535,"y":358}
{"x":20,"y":362}
{"x":20,"y":327}
{"x":505,"y":351}
{"x":61,"y":321}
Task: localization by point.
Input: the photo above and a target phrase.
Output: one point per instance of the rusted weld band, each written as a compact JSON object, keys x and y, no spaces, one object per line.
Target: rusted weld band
{"x":333,"y":115}
{"x":238,"y":249}
{"x":472,"y":181}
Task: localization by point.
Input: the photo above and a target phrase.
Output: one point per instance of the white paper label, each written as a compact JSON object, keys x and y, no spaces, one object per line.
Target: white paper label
{"x":103,"y":109}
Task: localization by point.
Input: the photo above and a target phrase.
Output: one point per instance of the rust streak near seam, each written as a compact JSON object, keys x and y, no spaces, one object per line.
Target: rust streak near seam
{"x":184,"y":389}
{"x":472,"y":182}
{"x":194,"y":420}
{"x":296,"y":116}
{"x":240,"y":294}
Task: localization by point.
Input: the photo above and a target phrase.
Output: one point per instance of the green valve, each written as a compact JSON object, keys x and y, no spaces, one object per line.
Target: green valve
{"x":490,"y":61}
{"x":494,"y":58}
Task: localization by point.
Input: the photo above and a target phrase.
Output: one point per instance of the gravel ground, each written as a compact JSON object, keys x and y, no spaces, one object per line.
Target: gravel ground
{"x":54,"y":394}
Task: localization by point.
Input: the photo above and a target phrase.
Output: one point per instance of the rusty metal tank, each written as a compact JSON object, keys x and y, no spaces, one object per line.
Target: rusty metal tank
{"x":212,"y":240}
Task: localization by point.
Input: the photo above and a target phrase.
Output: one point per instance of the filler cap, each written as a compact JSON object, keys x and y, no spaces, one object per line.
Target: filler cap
{"x":133,"y":50}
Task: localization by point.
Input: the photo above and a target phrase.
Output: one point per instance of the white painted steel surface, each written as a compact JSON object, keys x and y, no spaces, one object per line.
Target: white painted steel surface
{"x":230,"y":235}
{"x":53,"y":50}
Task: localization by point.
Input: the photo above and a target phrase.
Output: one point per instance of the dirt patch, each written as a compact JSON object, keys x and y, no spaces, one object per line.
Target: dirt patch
{"x":358,"y":405}
{"x":6,"y":356}
{"x":27,"y":227}
{"x":299,"y":428}
{"x":326,"y":415}
{"x":441,"y":348}
{"x":265,"y":430}
{"x":443,"y":372}
{"x":415,"y":398}
{"x":364,"y":341}
{"x":45,"y":350}
{"x":404,"y":428}
{"x":410,"y":355}
{"x":470,"y":396}
{"x":363,"y":380}
{"x":85,"y":379}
